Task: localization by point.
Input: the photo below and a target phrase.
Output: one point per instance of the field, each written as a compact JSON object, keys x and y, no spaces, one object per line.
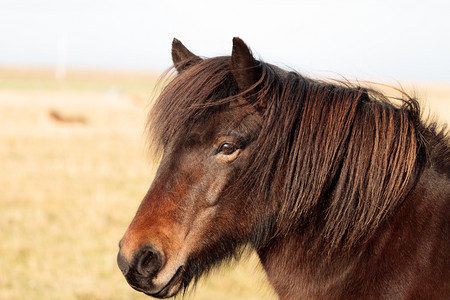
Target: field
{"x":74,"y":169}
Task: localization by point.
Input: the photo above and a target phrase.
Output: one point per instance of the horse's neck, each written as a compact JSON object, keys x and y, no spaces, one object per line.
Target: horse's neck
{"x":296,"y":273}
{"x":407,"y":255}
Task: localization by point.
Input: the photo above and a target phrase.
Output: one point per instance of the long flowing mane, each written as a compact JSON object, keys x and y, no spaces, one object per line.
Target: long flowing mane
{"x":338,"y":156}
{"x":342,"y":192}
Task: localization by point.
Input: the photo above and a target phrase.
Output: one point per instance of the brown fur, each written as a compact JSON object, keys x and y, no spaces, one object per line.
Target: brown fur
{"x":347,"y":144}
{"x":343,"y":194}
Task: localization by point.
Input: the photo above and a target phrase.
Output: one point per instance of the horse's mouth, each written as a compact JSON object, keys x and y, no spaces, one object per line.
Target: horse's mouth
{"x":171,"y":288}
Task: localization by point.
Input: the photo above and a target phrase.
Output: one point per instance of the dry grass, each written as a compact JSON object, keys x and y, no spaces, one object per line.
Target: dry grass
{"x":70,"y":189}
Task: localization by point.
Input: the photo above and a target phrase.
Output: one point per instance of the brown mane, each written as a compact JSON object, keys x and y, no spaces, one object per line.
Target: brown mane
{"x":342,"y":191}
{"x":341,"y":152}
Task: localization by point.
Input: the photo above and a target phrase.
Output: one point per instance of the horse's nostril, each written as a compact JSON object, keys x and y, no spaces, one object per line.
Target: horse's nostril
{"x":149,"y":260}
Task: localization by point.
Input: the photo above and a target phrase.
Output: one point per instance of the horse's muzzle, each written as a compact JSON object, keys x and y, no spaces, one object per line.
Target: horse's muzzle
{"x":142,"y":268}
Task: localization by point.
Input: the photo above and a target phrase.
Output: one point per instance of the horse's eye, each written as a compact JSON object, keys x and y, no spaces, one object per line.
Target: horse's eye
{"x":227,"y":148}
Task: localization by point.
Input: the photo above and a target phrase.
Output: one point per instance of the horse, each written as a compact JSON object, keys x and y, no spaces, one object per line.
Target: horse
{"x":343,"y":192}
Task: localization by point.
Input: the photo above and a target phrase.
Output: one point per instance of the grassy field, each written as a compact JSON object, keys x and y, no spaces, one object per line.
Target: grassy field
{"x":70,"y":189}
{"x":70,"y":186}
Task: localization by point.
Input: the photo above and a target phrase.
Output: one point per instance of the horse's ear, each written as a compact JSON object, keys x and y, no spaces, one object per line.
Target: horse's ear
{"x":182,"y":58}
{"x":245,"y":69}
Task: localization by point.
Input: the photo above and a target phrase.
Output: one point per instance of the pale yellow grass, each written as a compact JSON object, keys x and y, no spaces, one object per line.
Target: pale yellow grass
{"x":69,"y":191}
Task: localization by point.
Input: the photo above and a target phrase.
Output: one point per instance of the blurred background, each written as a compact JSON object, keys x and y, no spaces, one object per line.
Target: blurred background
{"x":76,"y":79}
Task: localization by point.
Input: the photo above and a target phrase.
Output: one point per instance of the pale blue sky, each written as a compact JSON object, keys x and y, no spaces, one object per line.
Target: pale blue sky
{"x":388,"y":39}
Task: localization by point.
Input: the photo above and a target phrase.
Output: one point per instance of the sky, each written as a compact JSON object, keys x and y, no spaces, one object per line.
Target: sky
{"x":358,"y":39}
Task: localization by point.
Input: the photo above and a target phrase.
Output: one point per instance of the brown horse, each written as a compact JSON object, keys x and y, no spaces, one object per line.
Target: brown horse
{"x":342,"y":193}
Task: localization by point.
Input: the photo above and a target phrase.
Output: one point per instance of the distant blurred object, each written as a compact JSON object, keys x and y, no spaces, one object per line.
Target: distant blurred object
{"x":59,"y":117}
